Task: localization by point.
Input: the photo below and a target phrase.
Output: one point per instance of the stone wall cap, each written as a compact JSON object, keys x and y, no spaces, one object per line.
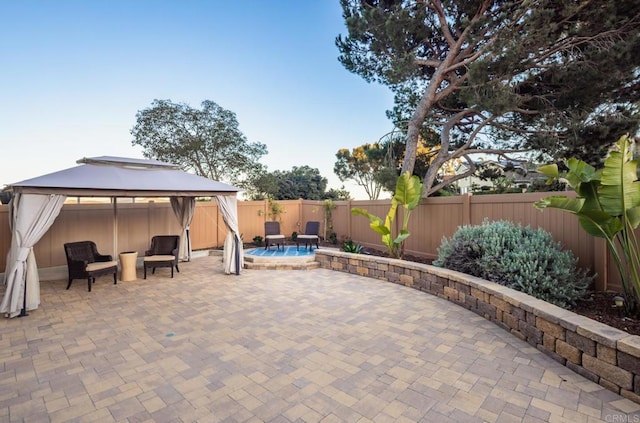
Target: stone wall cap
{"x":630,"y":345}
{"x":601,"y":333}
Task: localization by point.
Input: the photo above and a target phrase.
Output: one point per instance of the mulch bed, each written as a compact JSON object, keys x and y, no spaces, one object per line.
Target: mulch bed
{"x":600,"y":306}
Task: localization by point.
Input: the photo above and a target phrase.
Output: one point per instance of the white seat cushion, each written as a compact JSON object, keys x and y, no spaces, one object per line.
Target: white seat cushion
{"x":308,"y":237}
{"x":99,"y":265}
{"x":159,"y":258}
{"x":274,"y":237}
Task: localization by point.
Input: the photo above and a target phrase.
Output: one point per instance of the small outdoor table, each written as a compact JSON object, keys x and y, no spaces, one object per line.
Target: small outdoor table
{"x":128,"y":266}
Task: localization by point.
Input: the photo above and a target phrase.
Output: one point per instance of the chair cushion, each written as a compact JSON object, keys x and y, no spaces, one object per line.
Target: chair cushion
{"x":159,"y":258}
{"x":308,"y":237}
{"x":274,"y":237}
{"x":99,"y":265}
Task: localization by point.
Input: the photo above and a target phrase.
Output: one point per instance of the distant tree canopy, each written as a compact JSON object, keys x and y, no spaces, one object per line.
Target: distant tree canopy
{"x":500,"y":76}
{"x":376,"y":166}
{"x":300,"y":182}
{"x":338,"y":194}
{"x":206,"y":141}
{"x":364,"y":165}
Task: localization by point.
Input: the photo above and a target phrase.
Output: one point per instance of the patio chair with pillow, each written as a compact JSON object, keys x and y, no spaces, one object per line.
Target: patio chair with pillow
{"x":162,"y":253}
{"x":310,"y":235}
{"x":84,"y":261}
{"x":272,"y":235}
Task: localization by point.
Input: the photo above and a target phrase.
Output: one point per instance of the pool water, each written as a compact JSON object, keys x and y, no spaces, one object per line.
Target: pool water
{"x":285,"y":251}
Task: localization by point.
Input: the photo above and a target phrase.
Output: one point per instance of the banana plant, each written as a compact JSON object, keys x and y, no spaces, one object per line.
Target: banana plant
{"x":607,"y":206}
{"x":407,"y":194}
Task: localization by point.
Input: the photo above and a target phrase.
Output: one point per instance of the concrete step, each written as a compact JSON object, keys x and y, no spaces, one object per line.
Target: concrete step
{"x":307,"y":265}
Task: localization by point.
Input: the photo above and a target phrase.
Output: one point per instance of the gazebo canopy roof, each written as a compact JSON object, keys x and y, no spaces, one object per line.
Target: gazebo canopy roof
{"x":108,"y":176}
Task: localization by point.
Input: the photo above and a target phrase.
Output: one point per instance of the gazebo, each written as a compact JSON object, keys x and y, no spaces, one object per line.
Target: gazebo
{"x":37,"y":202}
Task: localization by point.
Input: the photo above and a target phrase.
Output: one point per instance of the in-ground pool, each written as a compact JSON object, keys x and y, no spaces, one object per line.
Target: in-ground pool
{"x":285,"y":251}
{"x":287,"y":258}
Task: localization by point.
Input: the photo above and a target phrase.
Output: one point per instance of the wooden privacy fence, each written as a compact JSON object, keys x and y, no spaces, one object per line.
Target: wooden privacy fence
{"x":432,"y":220}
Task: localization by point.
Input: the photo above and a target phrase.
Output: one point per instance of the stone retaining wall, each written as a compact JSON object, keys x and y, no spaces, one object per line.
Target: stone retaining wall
{"x":605,"y":355}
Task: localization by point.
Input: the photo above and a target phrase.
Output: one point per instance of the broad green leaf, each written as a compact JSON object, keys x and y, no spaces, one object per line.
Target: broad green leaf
{"x":408,"y":190}
{"x":375,"y":222}
{"x":401,"y":237}
{"x":386,"y":240}
{"x":633,"y":217}
{"x":391,"y":215}
{"x":579,"y":172}
{"x":379,"y":227}
{"x":573,"y":205}
{"x":550,"y":171}
{"x":589,"y":191}
{"x":363,"y":212}
{"x":600,"y":224}
{"x":620,"y":190}
{"x":583,"y":171}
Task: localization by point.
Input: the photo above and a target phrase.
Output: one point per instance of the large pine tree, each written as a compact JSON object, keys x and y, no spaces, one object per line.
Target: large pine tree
{"x":498,"y":76}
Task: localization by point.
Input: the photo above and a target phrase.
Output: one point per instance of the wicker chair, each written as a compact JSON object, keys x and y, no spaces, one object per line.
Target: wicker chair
{"x":162,"y":253}
{"x":310,"y":235}
{"x":272,"y":235}
{"x":84,"y":261}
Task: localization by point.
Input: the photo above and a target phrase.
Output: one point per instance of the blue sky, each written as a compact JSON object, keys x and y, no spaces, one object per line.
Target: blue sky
{"x":73,"y":75}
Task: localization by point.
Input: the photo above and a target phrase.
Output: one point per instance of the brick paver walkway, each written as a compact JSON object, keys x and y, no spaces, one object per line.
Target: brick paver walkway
{"x":277,"y":346}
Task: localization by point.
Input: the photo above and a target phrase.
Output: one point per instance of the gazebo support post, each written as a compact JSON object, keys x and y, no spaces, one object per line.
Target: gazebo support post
{"x":23,"y":312}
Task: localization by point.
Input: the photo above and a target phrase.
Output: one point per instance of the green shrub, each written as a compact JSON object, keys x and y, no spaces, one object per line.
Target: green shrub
{"x":524,"y":259}
{"x":351,"y":247}
{"x":257,"y":240}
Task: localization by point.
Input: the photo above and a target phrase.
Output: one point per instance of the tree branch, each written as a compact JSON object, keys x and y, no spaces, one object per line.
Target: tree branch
{"x":444,"y":26}
{"x":470,"y":171}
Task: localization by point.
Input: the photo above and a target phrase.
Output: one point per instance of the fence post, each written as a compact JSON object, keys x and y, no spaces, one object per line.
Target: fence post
{"x":300,"y":215}
{"x":349,"y":216}
{"x":466,"y":209}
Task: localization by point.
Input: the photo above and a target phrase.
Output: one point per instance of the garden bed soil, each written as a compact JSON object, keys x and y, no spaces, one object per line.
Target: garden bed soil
{"x":600,"y":306}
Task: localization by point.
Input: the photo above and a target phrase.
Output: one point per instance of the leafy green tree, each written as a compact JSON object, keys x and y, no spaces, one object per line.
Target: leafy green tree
{"x":376,"y":166}
{"x":206,"y":141}
{"x":300,"y":182}
{"x":499,"y":76}
{"x":363,"y":164}
{"x":340,"y":194}
{"x":260,"y":186}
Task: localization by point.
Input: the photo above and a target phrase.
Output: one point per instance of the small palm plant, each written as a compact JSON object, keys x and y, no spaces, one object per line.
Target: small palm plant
{"x":408,"y":195}
{"x":257,"y":240}
{"x":607,"y":206}
{"x":352,"y":247}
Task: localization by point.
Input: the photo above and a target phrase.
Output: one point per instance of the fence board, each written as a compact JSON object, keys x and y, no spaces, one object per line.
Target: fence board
{"x":432,"y":220}
{"x":207,"y":229}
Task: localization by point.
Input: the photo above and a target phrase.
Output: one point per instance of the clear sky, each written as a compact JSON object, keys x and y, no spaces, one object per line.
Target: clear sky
{"x":73,"y":74}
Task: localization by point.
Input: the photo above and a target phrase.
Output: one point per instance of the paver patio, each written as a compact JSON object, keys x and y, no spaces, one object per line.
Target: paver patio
{"x":277,"y":346}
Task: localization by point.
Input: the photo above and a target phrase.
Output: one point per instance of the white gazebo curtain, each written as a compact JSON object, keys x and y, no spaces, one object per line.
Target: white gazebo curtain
{"x":184,"y":207}
{"x":31,"y":216}
{"x":233,"y":257}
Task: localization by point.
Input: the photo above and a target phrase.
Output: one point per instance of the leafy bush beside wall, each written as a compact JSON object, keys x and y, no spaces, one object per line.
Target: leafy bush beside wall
{"x":525,"y":259}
